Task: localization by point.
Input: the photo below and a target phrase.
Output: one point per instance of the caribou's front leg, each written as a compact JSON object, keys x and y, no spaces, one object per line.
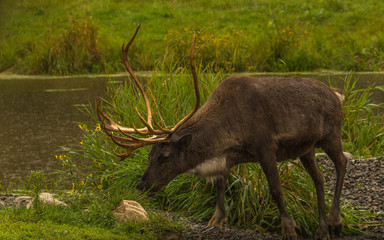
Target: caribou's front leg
{"x":218,"y":217}
{"x":268,"y":163}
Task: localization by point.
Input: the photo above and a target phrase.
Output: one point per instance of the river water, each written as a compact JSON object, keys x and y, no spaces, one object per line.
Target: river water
{"x":38,"y":115}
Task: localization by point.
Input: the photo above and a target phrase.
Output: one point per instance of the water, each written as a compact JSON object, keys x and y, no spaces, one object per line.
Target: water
{"x":38,"y":116}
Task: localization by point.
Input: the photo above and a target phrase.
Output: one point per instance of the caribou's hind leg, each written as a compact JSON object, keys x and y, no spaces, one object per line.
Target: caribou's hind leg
{"x":310,"y":164}
{"x":333,"y":148}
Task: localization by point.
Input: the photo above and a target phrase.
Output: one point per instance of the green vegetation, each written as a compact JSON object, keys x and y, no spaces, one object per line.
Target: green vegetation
{"x":363,"y":123}
{"x":54,"y":222}
{"x":99,"y":182}
{"x":248,"y":202}
{"x":70,"y":37}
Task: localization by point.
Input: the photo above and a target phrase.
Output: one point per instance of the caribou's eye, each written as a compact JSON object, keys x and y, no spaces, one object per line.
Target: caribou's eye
{"x":163,"y":159}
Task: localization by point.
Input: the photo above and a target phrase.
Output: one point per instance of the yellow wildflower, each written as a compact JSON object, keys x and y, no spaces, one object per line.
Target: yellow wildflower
{"x":98,"y":127}
{"x":100,"y":187}
{"x":82,"y":142}
{"x":82,"y":182}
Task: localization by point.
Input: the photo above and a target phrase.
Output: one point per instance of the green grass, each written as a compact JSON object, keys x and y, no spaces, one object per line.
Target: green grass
{"x":55,"y":222}
{"x":99,"y":182}
{"x":363,"y":123}
{"x":93,"y":168}
{"x":69,"y":37}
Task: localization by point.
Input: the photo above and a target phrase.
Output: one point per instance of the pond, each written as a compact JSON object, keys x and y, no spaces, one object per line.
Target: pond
{"x":38,"y":115}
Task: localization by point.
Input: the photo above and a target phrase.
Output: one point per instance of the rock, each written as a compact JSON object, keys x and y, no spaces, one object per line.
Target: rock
{"x":2,"y":204}
{"x":130,"y":211}
{"x":22,"y":200}
{"x":47,"y":198}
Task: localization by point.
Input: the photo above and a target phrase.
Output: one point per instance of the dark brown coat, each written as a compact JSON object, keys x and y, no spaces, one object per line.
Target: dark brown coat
{"x":263,"y":120}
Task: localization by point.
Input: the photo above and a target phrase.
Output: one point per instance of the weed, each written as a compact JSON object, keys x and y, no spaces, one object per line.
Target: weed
{"x":34,"y":184}
{"x":243,"y":36}
{"x":76,"y":50}
{"x":363,"y":123}
{"x":248,"y":202}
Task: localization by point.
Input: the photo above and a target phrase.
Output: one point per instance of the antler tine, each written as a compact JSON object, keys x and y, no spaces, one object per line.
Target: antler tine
{"x":130,"y":142}
{"x":134,"y":142}
{"x":112,"y":126}
{"x":135,"y":79}
{"x":196,"y":85}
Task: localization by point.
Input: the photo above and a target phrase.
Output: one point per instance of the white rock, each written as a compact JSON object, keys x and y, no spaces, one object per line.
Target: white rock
{"x":22,"y":200}
{"x":48,"y":198}
{"x":130,"y":211}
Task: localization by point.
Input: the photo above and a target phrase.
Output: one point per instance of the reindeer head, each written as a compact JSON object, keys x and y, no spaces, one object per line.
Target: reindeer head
{"x":165,"y":158}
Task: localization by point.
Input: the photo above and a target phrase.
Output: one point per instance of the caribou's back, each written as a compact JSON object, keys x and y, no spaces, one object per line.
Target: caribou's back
{"x":247,"y":113}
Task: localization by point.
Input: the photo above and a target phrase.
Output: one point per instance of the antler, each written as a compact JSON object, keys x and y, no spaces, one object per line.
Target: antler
{"x":130,"y":142}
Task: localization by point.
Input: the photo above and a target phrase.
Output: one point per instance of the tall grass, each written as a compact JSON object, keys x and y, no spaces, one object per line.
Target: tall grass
{"x":237,"y":36}
{"x":248,"y":202}
{"x":363,"y":123}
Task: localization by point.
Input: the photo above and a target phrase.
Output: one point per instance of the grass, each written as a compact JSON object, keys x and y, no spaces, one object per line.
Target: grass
{"x":363,"y":123}
{"x":71,"y":37}
{"x":248,"y":202}
{"x":99,"y":183}
{"x":53,"y":222}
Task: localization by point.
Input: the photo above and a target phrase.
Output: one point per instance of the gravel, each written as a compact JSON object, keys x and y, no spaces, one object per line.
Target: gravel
{"x":363,"y":187}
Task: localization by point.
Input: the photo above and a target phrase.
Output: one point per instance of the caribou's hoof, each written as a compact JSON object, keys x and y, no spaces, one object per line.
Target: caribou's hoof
{"x":322,"y":232}
{"x":289,"y":238}
{"x":213,"y":229}
{"x":322,"y":238}
{"x":217,"y":222}
{"x":336,"y":230}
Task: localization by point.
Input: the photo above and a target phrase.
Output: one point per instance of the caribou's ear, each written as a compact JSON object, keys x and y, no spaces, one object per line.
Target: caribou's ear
{"x":184,"y":141}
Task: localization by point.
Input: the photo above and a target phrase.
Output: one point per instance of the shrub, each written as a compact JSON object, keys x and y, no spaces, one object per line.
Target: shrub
{"x":75,"y":51}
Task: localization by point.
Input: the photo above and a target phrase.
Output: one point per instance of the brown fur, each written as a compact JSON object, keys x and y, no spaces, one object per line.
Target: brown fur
{"x":263,"y":120}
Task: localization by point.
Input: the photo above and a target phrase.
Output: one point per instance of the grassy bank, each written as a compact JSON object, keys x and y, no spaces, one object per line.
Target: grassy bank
{"x":54,"y":222}
{"x":79,"y":36}
{"x":99,"y":183}
{"x":94,"y":169}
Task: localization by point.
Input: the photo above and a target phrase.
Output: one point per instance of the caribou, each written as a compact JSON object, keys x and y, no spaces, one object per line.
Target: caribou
{"x":246,"y":119}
